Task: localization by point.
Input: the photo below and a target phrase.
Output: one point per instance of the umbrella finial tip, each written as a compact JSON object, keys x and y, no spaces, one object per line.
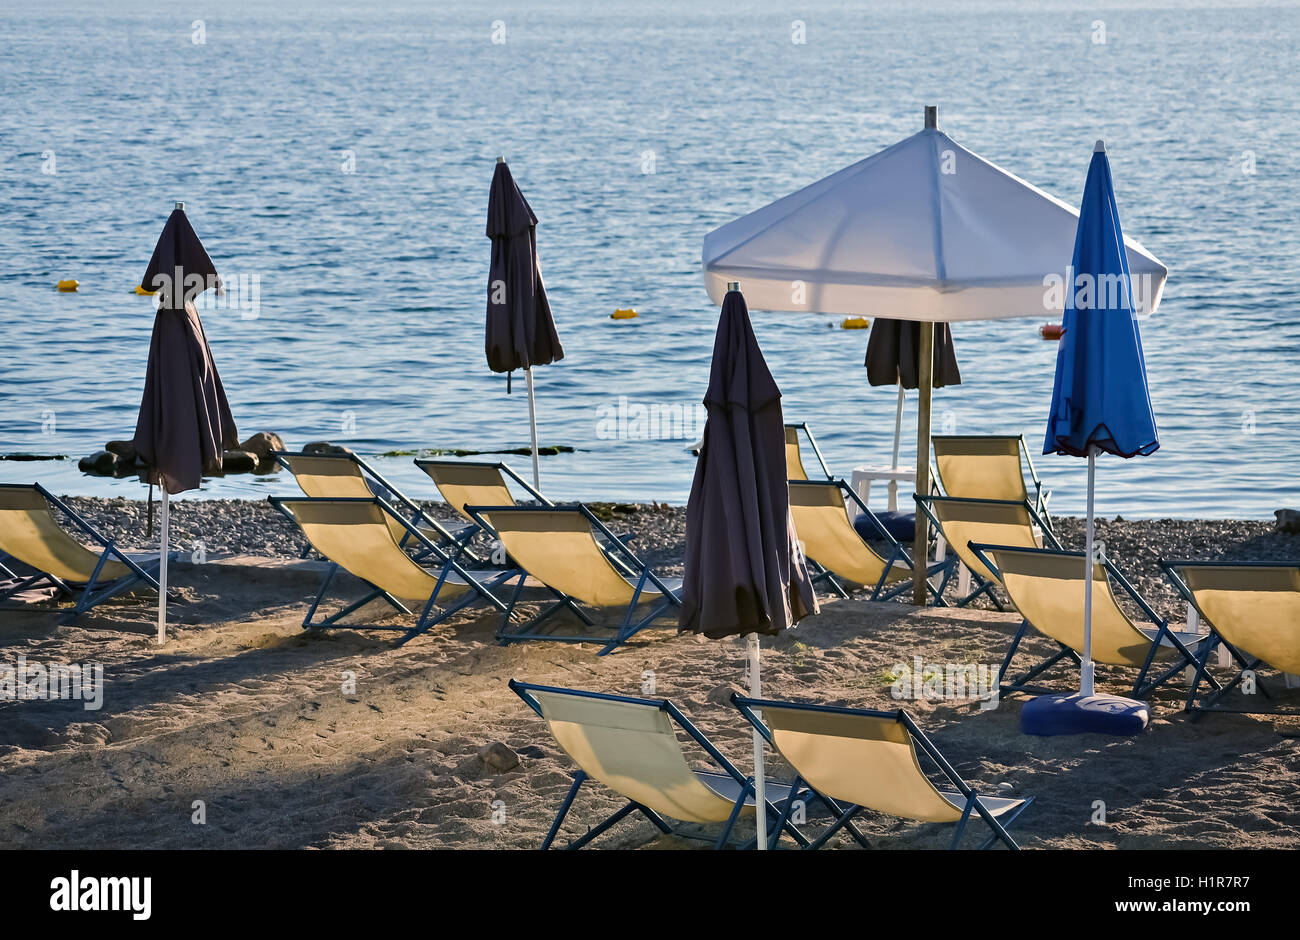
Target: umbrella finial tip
{"x":181,"y":206}
{"x":733,"y":285}
{"x":500,"y":159}
{"x":932,"y":116}
{"x":1100,"y":147}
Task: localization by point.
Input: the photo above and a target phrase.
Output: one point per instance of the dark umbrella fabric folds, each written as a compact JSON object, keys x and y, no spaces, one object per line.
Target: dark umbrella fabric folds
{"x":520,"y":329}
{"x":185,"y":425}
{"x":893,"y":354}
{"x":744,"y":572}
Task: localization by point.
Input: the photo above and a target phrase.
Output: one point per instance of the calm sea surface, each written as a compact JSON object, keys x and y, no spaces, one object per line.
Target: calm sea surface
{"x":341,"y":154}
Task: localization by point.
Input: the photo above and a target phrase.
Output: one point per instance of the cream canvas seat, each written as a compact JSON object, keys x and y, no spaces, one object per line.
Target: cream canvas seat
{"x":1047,"y":589}
{"x":347,"y":476}
{"x":356,"y":535}
{"x":794,"y":468}
{"x":869,"y":760}
{"x":960,"y":520}
{"x":837,"y":550}
{"x":30,"y":534}
{"x":988,"y":466}
{"x":631,"y":746}
{"x":1253,"y":610}
{"x":558,"y":546}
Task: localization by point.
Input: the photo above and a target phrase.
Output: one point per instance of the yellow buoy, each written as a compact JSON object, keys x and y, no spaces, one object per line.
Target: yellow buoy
{"x":68,"y":286}
{"x":855,"y":323}
{"x":139,"y":289}
{"x":622,"y":314}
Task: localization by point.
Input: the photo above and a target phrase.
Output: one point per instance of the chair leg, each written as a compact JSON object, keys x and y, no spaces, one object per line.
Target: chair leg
{"x":603,"y":827}
{"x":735,"y":814}
{"x":835,"y":827}
{"x":1000,"y":831}
{"x":578,"y":779}
{"x":965,"y":815}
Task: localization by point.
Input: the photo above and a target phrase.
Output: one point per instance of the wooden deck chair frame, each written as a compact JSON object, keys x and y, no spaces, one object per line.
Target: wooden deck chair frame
{"x":1246,"y":662}
{"x":778,"y":796}
{"x":378,"y":485}
{"x":752,"y":710}
{"x":792,"y":432}
{"x":897,"y":553}
{"x":93,"y":591}
{"x":983,"y":585}
{"x":1040,"y":497}
{"x":1141,"y":686}
{"x":621,"y":558}
{"x":448,"y":564}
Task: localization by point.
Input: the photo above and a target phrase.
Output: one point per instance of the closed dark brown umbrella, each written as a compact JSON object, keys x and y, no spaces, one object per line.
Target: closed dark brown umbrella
{"x":894,"y":354}
{"x":520,"y":330}
{"x":744,"y":572}
{"x":185,"y":425}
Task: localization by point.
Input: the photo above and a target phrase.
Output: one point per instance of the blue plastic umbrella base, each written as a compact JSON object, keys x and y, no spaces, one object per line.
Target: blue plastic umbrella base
{"x":1084,"y":714}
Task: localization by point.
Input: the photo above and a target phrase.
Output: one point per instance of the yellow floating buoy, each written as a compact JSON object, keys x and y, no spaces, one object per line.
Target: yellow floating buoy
{"x":623,"y":314}
{"x":855,"y":323}
{"x":68,"y":286}
{"x":139,"y":290}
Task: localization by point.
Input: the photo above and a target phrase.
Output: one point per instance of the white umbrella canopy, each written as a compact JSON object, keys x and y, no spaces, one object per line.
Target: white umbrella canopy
{"x":924,"y":230}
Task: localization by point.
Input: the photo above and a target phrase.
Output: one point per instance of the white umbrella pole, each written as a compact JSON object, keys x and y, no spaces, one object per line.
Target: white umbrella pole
{"x":532,"y":426}
{"x":898,"y":424}
{"x":925,"y":379}
{"x":760,"y":788}
{"x":1086,"y":670}
{"x":165,"y":525}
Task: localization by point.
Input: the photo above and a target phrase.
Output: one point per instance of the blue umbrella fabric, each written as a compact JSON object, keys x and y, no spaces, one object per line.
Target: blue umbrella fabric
{"x":1100,"y":397}
{"x":1100,"y":403}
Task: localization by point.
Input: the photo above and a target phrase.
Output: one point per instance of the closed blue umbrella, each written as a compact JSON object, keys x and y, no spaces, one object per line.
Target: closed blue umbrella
{"x":1100,"y":399}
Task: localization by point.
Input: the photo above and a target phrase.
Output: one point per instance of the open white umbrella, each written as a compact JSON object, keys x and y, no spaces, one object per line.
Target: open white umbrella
{"x":923,"y":230}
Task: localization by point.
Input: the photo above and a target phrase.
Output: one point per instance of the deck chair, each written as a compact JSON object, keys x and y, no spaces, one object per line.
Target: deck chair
{"x":837,"y":550}
{"x":479,"y":483}
{"x":1047,"y":587}
{"x":30,"y":535}
{"x":557,"y":545}
{"x":347,"y":476}
{"x":794,"y":458}
{"x":357,"y":536}
{"x":630,"y":745}
{"x":971,"y":466}
{"x":984,"y":521}
{"x":868,"y":760}
{"x":1253,"y":611}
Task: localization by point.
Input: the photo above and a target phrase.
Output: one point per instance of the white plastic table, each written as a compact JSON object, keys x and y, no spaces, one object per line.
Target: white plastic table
{"x":865,"y":474}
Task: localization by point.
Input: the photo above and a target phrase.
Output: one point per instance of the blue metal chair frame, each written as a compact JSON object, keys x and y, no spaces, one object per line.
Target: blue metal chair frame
{"x":416,"y":515}
{"x":982,"y":585}
{"x":92,"y":593}
{"x":897,"y":555}
{"x":812,"y":442}
{"x":779,"y":816}
{"x":1246,"y":662}
{"x":427,"y":618}
{"x":747,"y":707}
{"x":620,"y":555}
{"x":1141,"y":688}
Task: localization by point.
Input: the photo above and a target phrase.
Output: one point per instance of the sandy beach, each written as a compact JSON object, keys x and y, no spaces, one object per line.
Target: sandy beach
{"x":282,"y":739}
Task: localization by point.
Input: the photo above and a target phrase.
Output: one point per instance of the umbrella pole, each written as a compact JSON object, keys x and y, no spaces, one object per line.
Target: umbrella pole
{"x":760,"y":789}
{"x":898,"y":424}
{"x":921,"y":542}
{"x":162,"y":570}
{"x":532,"y":426}
{"x":1086,"y":669}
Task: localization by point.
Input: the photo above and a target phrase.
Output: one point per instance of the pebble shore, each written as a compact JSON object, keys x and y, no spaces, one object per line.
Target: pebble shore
{"x":233,"y":526}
